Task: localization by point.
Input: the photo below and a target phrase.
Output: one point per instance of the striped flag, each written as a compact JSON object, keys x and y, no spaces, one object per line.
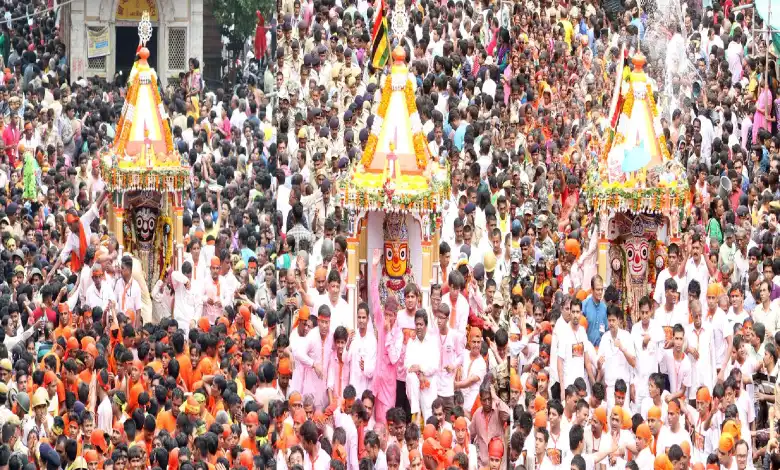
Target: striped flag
{"x":380,"y":39}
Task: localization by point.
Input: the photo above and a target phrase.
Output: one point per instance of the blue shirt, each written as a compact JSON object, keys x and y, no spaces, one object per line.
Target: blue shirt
{"x":596,"y":314}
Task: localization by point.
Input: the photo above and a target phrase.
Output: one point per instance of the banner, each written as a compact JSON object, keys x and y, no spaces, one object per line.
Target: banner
{"x":131,"y":10}
{"x":98,"y":42}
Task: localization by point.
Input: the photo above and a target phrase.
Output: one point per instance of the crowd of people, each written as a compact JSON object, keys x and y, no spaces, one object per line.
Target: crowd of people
{"x":247,"y":356}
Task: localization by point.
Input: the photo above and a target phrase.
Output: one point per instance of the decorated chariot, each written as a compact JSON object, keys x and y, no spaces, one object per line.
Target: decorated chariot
{"x":393,"y":194}
{"x":636,"y":190}
{"x":145,"y":174}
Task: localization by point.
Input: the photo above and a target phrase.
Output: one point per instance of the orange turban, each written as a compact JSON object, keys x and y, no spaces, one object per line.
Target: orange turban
{"x":703,"y":394}
{"x":732,"y":428}
{"x":432,"y":448}
{"x":540,"y":419}
{"x":643,"y":431}
{"x":295,"y":398}
{"x":726,"y":442}
{"x":496,"y":448}
{"x":662,"y":462}
{"x":515,"y":384}
{"x":715,"y":289}
{"x":626,"y":419}
{"x":540,"y":404}
{"x":686,"y":448}
{"x":572,"y":246}
{"x":299,"y":417}
{"x":303,"y":315}
{"x":429,"y":431}
{"x":446,"y":439}
{"x":284,"y":366}
{"x":601,"y":415}
{"x":673,"y":407}
{"x":654,"y":413}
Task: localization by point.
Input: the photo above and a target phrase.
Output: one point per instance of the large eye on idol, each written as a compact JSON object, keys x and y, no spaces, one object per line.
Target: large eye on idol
{"x":388,"y":253}
{"x":402,"y":254}
{"x":644,"y":252}
{"x":630,"y":253}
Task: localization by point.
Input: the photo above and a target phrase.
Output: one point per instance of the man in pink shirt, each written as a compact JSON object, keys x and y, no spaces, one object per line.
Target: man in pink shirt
{"x":388,"y":333}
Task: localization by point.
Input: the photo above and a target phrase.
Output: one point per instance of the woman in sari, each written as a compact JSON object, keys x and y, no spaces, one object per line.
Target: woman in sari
{"x":193,"y":88}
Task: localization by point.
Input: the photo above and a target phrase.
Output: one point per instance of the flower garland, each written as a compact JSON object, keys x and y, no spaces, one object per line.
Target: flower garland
{"x":164,"y":180}
{"x":628,"y":104}
{"x":368,"y":154}
{"x":654,"y":200}
{"x":164,"y":243}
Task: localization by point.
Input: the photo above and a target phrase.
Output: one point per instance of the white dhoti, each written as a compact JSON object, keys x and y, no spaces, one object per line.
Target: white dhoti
{"x":420,"y":400}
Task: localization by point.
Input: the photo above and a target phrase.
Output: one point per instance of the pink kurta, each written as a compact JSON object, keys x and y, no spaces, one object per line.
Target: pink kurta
{"x":317,"y":351}
{"x":760,"y":120}
{"x":384,"y":373}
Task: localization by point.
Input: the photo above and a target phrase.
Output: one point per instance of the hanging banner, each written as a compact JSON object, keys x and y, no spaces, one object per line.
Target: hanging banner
{"x":131,"y":10}
{"x":98,"y":42}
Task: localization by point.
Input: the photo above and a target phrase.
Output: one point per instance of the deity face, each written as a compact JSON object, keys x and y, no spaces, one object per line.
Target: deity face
{"x":145,"y":223}
{"x":396,"y":254}
{"x":637,"y":252}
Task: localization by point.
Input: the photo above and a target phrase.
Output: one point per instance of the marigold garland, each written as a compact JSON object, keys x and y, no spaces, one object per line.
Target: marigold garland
{"x":653,"y":108}
{"x":368,"y":154}
{"x":411,"y":104}
{"x":420,"y":150}
{"x":628,"y":104}
{"x":384,"y":102}
{"x":167,"y":254}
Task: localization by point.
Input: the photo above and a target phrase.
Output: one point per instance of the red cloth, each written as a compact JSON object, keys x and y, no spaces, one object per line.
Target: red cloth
{"x":260,"y":45}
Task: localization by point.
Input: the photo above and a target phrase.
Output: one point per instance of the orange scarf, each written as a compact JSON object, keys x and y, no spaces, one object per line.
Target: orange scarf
{"x":77,"y":259}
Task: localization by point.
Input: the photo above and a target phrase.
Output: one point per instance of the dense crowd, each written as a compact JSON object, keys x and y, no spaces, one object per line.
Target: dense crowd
{"x":247,"y":356}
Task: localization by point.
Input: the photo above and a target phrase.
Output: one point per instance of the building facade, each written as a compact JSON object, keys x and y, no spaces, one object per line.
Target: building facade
{"x":104,"y":36}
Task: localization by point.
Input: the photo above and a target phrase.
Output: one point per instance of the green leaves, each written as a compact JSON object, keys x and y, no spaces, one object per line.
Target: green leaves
{"x":238,"y":19}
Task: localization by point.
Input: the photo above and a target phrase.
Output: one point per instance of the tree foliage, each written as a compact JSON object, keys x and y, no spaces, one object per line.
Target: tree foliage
{"x":237,"y":17}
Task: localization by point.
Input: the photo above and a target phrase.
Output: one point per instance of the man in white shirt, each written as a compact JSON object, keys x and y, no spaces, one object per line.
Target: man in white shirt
{"x":105,"y":414}
{"x":644,"y":438}
{"x":361,"y":351}
{"x":99,"y":293}
{"x":421,"y":364}
{"x":458,"y":304}
{"x":473,"y":370}
{"x":340,"y":311}
{"x":677,"y":365}
{"x":648,"y":340}
{"x":573,"y":362}
{"x":675,"y":270}
{"x":188,"y":300}
{"x":671,"y":312}
{"x":616,"y":354}
{"x":314,"y":457}
{"x":701,"y":351}
{"x":450,"y":354}
{"x":674,"y":433}
{"x":697,"y":268}
{"x":767,"y":311}
{"x":127,"y":291}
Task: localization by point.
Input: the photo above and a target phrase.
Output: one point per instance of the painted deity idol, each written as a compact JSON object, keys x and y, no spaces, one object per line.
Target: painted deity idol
{"x":397,"y":270}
